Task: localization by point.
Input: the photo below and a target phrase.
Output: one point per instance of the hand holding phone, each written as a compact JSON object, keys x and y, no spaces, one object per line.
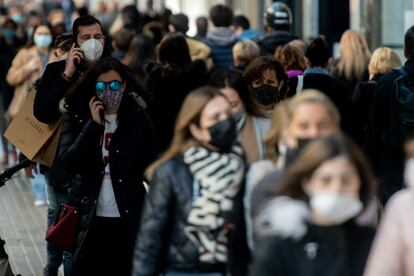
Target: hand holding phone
{"x":74,"y":57}
{"x":97,"y":110}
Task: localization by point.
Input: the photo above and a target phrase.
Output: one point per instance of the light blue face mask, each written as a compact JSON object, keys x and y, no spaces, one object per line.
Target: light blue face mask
{"x":17,"y":18}
{"x":43,"y":41}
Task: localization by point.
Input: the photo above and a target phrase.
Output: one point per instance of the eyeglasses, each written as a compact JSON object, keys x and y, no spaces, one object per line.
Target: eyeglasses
{"x":114,"y":85}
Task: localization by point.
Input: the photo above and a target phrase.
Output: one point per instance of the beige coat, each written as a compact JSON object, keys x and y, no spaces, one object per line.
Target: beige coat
{"x":199,"y":50}
{"x":22,"y":77}
{"x":392,"y":253}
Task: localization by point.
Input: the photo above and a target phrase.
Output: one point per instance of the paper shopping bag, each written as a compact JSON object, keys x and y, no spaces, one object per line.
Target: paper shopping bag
{"x":36,"y":140}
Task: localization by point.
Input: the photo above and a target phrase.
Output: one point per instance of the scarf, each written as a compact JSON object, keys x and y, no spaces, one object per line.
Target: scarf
{"x":217,"y":180}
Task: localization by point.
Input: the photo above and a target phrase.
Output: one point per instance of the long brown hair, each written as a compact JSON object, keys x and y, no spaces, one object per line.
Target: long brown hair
{"x":190,"y":113}
{"x":355,"y":55}
{"x":283,"y":113}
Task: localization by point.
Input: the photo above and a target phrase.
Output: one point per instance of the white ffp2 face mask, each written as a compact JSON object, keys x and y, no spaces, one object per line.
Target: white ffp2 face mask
{"x":335,"y":208}
{"x":92,"y":49}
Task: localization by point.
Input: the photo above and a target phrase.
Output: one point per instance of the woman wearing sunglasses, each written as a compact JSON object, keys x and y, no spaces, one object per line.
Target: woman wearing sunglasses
{"x":107,"y":140}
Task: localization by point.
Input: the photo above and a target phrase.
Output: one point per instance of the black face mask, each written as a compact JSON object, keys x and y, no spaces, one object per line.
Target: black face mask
{"x":303,"y":142}
{"x":266,"y":94}
{"x":223,"y":134}
{"x":293,"y":154}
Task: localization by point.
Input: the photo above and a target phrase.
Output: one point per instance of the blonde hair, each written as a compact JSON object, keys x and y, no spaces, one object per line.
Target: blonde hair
{"x":190,"y":113}
{"x":355,"y":55}
{"x":245,"y":51}
{"x":283,"y":115}
{"x":383,"y":60}
{"x":292,"y":57}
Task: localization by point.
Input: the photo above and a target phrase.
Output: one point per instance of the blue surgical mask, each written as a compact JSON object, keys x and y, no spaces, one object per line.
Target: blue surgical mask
{"x":9,"y":34}
{"x":43,"y":41}
{"x":17,"y":18}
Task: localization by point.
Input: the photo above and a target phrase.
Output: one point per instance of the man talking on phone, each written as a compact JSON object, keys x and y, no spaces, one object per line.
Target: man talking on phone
{"x":56,"y":80}
{"x":58,"y":77}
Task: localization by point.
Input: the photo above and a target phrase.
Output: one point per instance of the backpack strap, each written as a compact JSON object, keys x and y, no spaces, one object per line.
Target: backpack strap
{"x":299,"y":87}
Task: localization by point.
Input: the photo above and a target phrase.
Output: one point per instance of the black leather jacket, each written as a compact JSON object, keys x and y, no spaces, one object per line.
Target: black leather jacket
{"x":162,"y":244}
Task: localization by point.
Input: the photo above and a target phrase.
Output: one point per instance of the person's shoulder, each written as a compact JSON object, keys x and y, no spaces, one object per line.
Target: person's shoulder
{"x":259,"y":170}
{"x":198,"y":66}
{"x":171,"y":168}
{"x":134,"y":111}
{"x":400,"y":202}
{"x":364,"y":89}
{"x":56,"y":65}
{"x":389,"y":77}
{"x":386,"y":82}
{"x":196,"y":43}
{"x":269,"y":181}
{"x":330,"y":81}
{"x":340,"y":84}
{"x":360,"y":233}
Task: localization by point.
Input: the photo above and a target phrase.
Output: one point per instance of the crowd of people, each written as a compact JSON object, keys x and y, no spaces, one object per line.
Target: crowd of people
{"x":233,"y":152}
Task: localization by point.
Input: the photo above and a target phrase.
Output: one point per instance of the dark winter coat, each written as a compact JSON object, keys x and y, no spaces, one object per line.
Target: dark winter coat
{"x":323,"y":251}
{"x":162,"y":243}
{"x":269,"y":42}
{"x":51,"y":89}
{"x":382,"y":146}
{"x":363,"y":100}
{"x":132,"y":149}
{"x":336,"y":90}
{"x":168,"y":86}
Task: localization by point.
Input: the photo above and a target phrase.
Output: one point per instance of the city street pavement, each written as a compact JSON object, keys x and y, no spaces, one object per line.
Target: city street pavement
{"x":22,"y":226}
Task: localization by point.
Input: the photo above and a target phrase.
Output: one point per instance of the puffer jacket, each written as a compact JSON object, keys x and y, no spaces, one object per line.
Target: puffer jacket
{"x":162,"y":244}
{"x":221,"y":41}
{"x":132,"y":149}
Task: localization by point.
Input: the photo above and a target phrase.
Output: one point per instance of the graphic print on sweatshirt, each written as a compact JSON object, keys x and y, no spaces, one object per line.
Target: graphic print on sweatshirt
{"x":107,"y":206}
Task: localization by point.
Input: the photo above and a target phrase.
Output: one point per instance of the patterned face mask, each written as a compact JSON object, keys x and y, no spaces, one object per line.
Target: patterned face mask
{"x":109,"y":93}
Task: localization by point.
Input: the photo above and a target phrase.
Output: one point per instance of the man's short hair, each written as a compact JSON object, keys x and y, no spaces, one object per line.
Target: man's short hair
{"x":85,"y":20}
{"x":179,"y":22}
{"x":241,"y":21}
{"x":221,"y":16}
{"x":318,"y":52}
{"x":409,"y":42}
